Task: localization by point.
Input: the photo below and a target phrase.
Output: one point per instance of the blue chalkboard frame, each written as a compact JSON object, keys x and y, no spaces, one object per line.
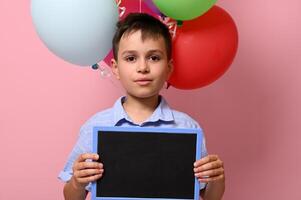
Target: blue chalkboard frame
{"x":199,"y":141}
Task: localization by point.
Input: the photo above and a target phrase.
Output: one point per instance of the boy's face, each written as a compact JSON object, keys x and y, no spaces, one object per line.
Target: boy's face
{"x":142,"y":66}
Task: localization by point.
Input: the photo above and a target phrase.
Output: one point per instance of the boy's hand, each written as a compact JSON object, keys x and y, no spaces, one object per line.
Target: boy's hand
{"x":209,"y":168}
{"x":85,"y":171}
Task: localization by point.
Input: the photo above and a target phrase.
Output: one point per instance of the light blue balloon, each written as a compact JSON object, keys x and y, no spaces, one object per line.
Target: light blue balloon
{"x":78,"y":31}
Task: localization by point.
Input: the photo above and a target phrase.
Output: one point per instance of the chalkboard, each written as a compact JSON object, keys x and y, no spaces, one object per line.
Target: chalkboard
{"x":152,"y":163}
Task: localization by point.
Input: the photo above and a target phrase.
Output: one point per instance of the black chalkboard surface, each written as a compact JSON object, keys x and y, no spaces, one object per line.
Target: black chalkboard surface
{"x":147,"y":163}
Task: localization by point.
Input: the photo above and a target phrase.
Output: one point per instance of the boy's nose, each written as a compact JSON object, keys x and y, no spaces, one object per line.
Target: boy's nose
{"x":143,"y":67}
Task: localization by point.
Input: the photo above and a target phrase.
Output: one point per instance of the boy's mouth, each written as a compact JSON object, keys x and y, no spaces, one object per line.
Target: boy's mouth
{"x":143,"y":81}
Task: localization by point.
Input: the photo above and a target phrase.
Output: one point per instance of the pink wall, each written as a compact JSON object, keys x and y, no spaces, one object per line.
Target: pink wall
{"x":251,"y":115}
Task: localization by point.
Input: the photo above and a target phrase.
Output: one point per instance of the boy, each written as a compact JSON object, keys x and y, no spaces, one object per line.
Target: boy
{"x":142,"y":62}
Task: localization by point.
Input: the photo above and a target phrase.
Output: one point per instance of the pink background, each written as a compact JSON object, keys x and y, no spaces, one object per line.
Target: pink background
{"x":251,"y":115}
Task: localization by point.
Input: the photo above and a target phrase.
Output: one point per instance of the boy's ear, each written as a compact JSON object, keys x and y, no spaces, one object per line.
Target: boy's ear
{"x":115,"y":68}
{"x":170,"y":68}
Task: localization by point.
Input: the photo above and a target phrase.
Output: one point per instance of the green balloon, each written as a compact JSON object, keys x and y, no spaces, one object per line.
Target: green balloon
{"x":184,"y":9}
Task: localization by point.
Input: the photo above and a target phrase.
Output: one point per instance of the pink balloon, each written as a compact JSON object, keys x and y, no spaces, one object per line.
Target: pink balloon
{"x":108,"y":58}
{"x":152,"y":6}
{"x":136,"y":6}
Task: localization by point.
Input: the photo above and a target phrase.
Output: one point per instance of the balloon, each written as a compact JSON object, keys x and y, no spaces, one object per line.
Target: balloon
{"x":203,"y":49}
{"x":78,"y":31}
{"x":184,"y":10}
{"x":136,"y":6}
{"x":152,"y":6}
{"x":109,"y":57}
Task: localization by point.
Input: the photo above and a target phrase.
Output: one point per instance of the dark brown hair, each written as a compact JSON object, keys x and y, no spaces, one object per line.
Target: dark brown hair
{"x":149,"y":26}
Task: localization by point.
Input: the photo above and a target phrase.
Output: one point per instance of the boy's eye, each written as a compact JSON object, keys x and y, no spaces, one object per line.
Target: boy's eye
{"x":154,"y":58}
{"x":130,"y":58}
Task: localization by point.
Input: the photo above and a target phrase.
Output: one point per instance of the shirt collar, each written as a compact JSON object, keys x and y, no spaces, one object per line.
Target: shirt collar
{"x":163,"y":112}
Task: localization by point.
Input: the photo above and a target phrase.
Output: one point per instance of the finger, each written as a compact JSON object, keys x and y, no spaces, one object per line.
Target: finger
{"x":89,"y":179}
{"x":205,"y":160}
{"x":88,"y":165}
{"x":211,"y":179}
{"x":87,"y":173}
{"x":210,"y":173}
{"x":208,"y":166}
{"x":86,"y":156}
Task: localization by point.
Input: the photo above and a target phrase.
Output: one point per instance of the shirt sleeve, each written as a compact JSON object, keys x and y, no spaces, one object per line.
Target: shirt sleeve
{"x":203,"y":147}
{"x":83,"y":145}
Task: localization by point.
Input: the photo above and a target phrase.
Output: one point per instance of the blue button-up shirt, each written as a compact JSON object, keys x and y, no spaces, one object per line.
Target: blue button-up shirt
{"x":163,"y":117}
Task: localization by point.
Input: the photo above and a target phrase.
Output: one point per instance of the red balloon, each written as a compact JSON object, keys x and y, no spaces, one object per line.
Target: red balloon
{"x":203,"y":49}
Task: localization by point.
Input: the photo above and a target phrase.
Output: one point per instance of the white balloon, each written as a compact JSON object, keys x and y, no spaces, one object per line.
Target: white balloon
{"x":78,"y":31}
